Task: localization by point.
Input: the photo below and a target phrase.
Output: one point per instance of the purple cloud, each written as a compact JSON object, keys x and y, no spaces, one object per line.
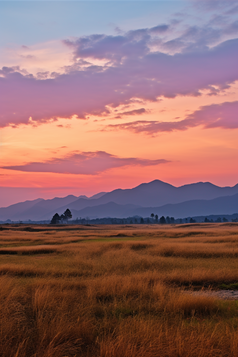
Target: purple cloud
{"x":112,"y":48}
{"x":84,"y":163}
{"x":223,"y":116}
{"x":130,"y":71}
{"x":232,"y":28}
{"x":214,"y":4}
{"x":232,"y":11}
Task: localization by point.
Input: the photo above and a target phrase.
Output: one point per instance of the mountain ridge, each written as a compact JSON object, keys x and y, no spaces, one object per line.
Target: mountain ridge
{"x":149,"y":195}
{"x":166,"y":194}
{"x":225,"y":205}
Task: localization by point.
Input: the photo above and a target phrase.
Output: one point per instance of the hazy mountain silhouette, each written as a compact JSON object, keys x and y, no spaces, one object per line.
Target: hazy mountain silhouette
{"x":218,"y":206}
{"x":11,"y":211}
{"x":152,"y":195}
{"x":98,"y":195}
{"x":155,"y":194}
{"x":110,"y":209}
{"x":35,"y":209}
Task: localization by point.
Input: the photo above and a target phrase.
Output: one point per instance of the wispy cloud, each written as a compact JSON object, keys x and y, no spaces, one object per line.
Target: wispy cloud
{"x":212,"y":116}
{"x":84,"y":163}
{"x":214,"y":4}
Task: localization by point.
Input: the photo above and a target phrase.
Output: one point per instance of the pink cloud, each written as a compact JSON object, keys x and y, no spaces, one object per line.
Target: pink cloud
{"x":223,"y":116}
{"x":84,"y":163}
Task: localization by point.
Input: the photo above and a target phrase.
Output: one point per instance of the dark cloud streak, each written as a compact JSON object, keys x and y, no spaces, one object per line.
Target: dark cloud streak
{"x":84,"y":163}
{"x":131,"y":112}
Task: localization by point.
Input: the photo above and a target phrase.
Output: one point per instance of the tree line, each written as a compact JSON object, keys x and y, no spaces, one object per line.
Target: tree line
{"x":63,"y":218}
{"x":162,"y":219}
{"x":154,"y":218}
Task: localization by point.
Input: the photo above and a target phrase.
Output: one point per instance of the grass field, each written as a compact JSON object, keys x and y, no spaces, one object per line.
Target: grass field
{"x":117,"y":291}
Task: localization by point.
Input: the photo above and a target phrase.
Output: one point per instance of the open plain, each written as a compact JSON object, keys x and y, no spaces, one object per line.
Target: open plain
{"x":118,"y":291}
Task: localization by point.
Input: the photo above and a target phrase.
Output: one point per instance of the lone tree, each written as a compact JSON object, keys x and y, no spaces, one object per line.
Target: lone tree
{"x":67,"y":215}
{"x":152,"y":215}
{"x":168,"y":220}
{"x":60,"y":219}
{"x":162,"y":220}
{"x":55,"y":219}
{"x":156,"y":218}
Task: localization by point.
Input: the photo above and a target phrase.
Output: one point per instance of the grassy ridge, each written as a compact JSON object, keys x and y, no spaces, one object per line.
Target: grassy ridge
{"x":112,"y":291}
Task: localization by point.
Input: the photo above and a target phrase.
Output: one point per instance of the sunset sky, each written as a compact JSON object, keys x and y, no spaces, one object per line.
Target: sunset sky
{"x":98,"y":95}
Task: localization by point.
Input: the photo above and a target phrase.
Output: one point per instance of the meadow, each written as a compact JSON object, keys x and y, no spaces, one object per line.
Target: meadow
{"x":118,"y":291}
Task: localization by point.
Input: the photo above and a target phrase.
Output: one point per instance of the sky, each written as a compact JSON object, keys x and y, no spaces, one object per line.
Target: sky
{"x":99,"y":95}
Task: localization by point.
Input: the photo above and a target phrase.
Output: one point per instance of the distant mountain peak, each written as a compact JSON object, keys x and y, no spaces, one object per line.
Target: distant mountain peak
{"x":154,"y":183}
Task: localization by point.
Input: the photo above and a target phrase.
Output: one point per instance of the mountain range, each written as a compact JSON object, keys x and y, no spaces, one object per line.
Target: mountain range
{"x":202,"y":198}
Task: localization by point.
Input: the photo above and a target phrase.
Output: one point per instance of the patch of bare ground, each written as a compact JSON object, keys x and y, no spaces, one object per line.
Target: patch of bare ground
{"x":119,"y":291}
{"x":220,"y":294}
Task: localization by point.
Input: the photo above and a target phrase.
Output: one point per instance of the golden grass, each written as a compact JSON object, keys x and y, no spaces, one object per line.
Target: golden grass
{"x":109,"y":291}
